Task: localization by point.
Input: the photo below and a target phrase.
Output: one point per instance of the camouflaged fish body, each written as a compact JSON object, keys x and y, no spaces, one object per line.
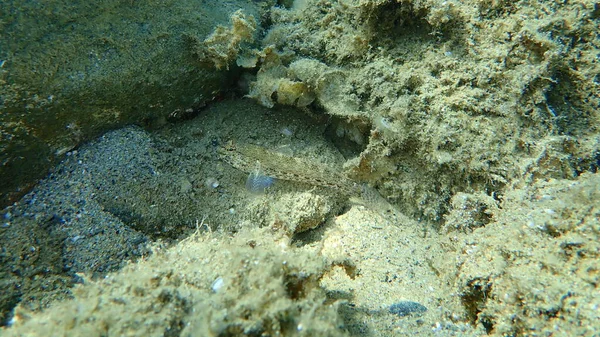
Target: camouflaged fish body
{"x":280,"y":166}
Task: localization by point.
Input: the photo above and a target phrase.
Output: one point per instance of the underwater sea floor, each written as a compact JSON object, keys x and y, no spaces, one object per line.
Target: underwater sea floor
{"x":165,"y":232}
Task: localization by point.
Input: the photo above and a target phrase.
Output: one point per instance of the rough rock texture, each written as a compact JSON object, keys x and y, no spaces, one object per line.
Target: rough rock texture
{"x":450,"y":96}
{"x":299,"y":212}
{"x":252,"y":284}
{"x":535,"y":267}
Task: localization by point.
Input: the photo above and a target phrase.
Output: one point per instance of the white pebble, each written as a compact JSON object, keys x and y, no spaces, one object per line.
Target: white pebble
{"x":217,"y":284}
{"x":211,"y":183}
{"x":287,"y":132}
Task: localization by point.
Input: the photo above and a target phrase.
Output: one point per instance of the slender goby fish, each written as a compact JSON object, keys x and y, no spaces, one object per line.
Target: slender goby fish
{"x":244,"y":158}
{"x":280,"y":166}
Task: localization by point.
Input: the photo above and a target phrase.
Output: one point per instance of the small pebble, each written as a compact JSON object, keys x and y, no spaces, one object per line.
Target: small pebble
{"x":287,"y":132}
{"x":217,"y":284}
{"x":211,"y":183}
{"x":405,"y":308}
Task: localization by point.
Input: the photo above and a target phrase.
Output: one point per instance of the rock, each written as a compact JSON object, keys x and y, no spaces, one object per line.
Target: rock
{"x":405,"y":308}
{"x":299,"y":212}
{"x":70,"y":71}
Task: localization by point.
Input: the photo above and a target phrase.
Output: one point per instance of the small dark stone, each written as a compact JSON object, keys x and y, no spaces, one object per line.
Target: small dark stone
{"x":405,"y":308}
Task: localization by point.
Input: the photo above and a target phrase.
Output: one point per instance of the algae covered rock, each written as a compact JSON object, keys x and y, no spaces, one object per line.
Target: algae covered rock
{"x":448,"y":108}
{"x":534,"y":267}
{"x":222,"y":46}
{"x":276,"y":83}
{"x":207,"y":285}
{"x":299,"y":212}
{"x":69,"y":71}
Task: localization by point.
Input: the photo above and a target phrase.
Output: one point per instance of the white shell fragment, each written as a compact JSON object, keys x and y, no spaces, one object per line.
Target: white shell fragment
{"x":217,"y":284}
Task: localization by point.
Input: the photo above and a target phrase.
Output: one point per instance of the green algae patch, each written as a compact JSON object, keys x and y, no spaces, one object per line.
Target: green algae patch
{"x":207,"y":285}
